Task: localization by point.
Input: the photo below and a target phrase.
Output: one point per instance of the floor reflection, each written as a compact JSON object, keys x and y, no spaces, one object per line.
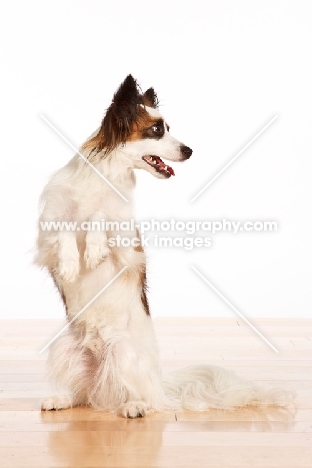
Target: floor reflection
{"x":85,"y":437}
{"x":267,"y":419}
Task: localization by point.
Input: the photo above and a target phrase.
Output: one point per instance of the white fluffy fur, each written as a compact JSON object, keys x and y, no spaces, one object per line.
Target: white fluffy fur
{"x":108,"y":358}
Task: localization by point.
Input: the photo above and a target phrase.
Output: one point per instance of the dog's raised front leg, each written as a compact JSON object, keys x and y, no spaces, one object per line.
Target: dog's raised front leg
{"x":68,"y":257}
{"x":96,"y":242}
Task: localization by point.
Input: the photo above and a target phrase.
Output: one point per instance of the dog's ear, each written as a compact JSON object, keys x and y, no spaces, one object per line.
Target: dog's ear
{"x":122,"y":113}
{"x":150,"y":98}
{"x":128,"y":93}
{"x":118,"y":121}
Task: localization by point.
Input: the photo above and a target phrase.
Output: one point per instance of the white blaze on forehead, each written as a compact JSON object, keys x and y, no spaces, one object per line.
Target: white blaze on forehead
{"x":153,"y":112}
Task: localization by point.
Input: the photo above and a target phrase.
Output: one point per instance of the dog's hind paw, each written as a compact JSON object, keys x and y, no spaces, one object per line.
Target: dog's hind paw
{"x":56,"y":403}
{"x":133,"y":409}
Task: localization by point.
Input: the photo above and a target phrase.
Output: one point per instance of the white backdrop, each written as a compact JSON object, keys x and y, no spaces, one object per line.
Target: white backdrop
{"x":222,"y":70}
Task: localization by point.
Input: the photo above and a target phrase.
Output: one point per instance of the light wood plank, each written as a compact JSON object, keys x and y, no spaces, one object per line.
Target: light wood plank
{"x":150,"y":439}
{"x":201,"y":457}
{"x":89,"y":414}
{"x":160,"y":426}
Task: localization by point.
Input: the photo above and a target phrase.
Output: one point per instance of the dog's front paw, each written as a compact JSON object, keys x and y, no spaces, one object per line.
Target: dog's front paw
{"x":69,"y":268}
{"x":68,"y":256}
{"x":56,"y":403}
{"x":133,"y":409}
{"x":96,"y":251}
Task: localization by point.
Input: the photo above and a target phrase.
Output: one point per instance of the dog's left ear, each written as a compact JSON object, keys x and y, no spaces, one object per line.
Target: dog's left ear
{"x":127,"y":96}
{"x":150,"y":98}
{"x":117,"y":124}
{"x":122,"y":114}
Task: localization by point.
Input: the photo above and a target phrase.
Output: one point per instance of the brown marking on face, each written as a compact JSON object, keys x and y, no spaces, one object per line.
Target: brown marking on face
{"x":144,"y":121}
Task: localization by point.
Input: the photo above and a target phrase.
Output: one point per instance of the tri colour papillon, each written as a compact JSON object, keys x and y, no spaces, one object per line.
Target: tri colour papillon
{"x":108,"y":356}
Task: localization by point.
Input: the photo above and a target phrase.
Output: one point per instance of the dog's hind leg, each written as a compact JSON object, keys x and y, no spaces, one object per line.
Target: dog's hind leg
{"x":129,"y":378}
{"x":70,"y":368}
{"x":128,"y":381}
{"x":141,"y":377}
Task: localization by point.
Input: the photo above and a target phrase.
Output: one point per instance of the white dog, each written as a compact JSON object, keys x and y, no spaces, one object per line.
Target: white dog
{"x":108,"y":357}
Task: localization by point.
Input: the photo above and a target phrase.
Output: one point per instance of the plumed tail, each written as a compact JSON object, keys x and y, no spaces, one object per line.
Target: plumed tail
{"x":198,"y":388}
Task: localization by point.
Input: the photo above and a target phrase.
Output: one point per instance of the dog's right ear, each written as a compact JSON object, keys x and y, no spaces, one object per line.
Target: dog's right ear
{"x":150,"y":98}
{"x":117,"y":124}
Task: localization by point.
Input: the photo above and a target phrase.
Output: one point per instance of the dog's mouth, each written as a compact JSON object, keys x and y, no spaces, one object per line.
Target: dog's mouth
{"x":158,"y":164}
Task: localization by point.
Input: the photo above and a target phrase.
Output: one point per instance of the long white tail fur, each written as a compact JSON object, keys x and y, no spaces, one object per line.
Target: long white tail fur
{"x":199,"y":388}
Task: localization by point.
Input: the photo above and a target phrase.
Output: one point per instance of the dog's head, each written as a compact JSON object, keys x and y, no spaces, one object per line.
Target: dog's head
{"x":133,"y":125}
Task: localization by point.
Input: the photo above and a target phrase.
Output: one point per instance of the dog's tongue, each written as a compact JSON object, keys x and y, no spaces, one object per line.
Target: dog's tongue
{"x":163,"y":165}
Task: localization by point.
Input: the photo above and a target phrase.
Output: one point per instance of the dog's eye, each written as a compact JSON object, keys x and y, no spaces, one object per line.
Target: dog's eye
{"x":155,"y":131}
{"x":158,"y":129}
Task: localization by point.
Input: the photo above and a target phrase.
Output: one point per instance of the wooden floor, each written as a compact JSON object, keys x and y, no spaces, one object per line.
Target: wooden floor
{"x":82,"y":437}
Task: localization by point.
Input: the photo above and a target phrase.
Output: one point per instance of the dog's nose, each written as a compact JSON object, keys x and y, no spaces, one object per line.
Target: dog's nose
{"x":186,"y":151}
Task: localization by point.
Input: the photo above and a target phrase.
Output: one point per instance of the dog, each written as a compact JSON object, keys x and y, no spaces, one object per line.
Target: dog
{"x":108,"y":356}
